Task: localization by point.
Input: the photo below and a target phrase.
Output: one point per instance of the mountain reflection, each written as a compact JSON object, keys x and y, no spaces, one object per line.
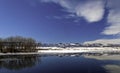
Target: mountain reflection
{"x":16,"y":62}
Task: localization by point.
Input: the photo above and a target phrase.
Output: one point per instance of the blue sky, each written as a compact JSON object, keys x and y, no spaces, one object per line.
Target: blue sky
{"x":53,"y":21}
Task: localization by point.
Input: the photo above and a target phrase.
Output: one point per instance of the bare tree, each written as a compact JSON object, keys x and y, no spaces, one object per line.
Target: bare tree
{"x":18,"y":44}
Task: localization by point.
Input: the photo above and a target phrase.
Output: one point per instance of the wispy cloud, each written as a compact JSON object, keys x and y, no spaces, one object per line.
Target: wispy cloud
{"x":91,"y":10}
{"x":62,"y":16}
{"x":113,"y":18}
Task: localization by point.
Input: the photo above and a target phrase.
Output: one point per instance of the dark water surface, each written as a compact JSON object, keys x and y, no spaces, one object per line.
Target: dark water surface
{"x":55,"y":64}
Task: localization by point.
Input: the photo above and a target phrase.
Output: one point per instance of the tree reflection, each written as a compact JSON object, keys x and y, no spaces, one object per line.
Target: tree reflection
{"x":17,"y":62}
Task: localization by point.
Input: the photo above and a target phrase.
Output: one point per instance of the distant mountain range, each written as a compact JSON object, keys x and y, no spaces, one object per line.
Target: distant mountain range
{"x":79,"y":45}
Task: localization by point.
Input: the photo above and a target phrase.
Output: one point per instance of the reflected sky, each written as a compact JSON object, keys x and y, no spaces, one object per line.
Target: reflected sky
{"x":57,"y":64}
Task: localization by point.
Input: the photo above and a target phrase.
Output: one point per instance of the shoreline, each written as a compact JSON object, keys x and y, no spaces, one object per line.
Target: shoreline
{"x":101,"y":50}
{"x":71,"y":50}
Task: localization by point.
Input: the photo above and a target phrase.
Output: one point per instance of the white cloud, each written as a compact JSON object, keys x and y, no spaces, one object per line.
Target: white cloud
{"x":114,"y":23}
{"x":104,"y":41}
{"x":91,"y":10}
{"x":112,"y":29}
{"x":113,"y":18}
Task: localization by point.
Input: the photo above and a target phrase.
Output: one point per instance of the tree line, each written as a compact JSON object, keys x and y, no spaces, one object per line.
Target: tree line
{"x":17,"y":44}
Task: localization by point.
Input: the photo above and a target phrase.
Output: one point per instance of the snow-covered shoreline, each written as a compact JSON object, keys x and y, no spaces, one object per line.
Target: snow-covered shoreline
{"x":79,"y":49}
{"x":58,"y":50}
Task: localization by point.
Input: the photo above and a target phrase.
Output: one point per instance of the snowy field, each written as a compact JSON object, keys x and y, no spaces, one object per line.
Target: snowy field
{"x":79,"y":49}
